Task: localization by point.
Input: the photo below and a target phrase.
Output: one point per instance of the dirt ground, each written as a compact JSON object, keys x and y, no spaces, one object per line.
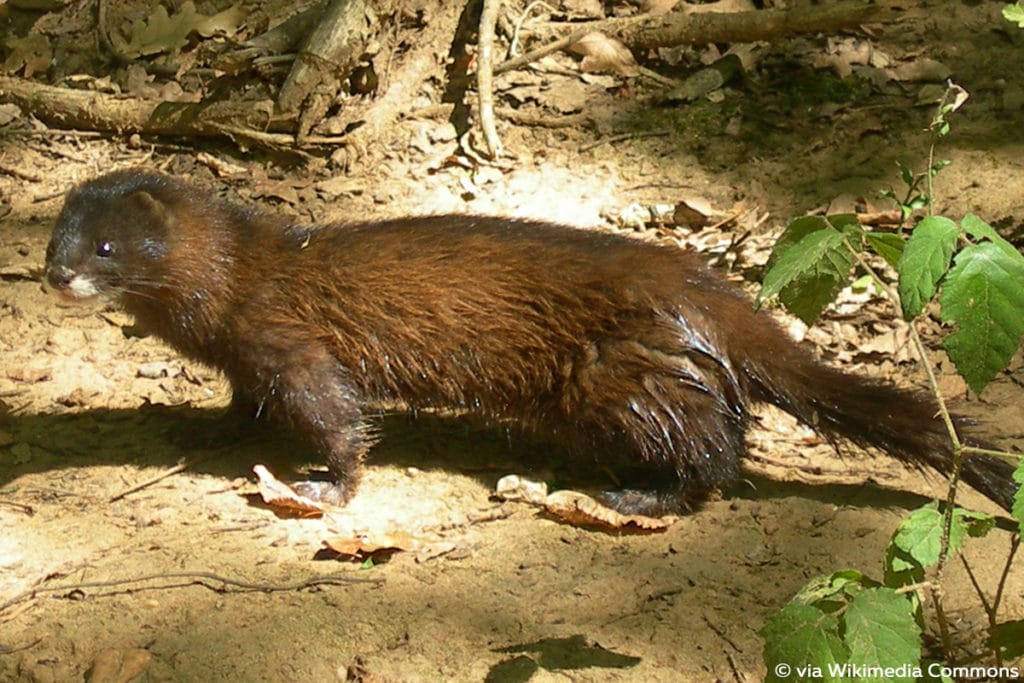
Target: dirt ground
{"x":191,"y":578}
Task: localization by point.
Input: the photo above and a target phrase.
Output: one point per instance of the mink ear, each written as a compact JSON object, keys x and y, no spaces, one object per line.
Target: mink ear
{"x":150,"y":210}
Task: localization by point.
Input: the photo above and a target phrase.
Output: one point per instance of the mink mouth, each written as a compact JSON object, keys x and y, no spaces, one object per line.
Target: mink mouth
{"x":79,"y":289}
{"x":71,"y":296}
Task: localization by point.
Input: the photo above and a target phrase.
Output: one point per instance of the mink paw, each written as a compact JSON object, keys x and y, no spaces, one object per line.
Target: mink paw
{"x":323,"y":491}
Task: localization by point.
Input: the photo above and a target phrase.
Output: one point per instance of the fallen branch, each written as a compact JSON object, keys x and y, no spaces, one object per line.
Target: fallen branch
{"x":485,"y":76}
{"x":329,"y":54}
{"x":674,"y":28}
{"x":91,"y":110}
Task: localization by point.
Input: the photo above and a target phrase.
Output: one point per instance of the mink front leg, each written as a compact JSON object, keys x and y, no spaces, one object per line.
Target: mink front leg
{"x":302,"y":386}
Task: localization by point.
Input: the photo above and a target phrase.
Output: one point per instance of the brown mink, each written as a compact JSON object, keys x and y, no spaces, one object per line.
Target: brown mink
{"x":634,"y":353}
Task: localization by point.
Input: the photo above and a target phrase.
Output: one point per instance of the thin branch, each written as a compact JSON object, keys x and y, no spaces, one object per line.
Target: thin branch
{"x":485,"y":76}
{"x":193,"y":578}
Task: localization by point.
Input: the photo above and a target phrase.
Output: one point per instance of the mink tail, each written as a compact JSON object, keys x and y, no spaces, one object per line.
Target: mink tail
{"x":902,"y":422}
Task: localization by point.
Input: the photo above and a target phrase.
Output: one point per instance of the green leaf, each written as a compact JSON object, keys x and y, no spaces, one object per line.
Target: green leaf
{"x":806,"y":640}
{"x":906,"y":174}
{"x":1014,"y":13}
{"x":807,"y":297}
{"x":919,"y":536}
{"x":887,"y":245}
{"x":880,"y":630}
{"x":825,"y":587}
{"x":865,"y":283}
{"x":847,"y":222}
{"x":1008,"y":638}
{"x":833,"y":592}
{"x":980,"y":230}
{"x":809,"y":265}
{"x":1018,"y":498}
{"x":984,"y":295}
{"x":793,"y":234}
{"x":924,"y":261}
{"x":901,"y":569}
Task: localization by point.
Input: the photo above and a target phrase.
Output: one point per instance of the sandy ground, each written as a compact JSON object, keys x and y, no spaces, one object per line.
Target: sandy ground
{"x":191,"y":578}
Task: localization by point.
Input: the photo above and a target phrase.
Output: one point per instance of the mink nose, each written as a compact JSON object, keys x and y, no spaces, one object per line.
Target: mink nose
{"x":58,"y":277}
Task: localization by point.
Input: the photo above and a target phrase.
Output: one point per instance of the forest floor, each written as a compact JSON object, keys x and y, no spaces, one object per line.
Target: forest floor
{"x":494,"y":591}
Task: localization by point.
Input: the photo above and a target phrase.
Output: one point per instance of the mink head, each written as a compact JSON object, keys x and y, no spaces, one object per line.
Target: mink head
{"x":112,"y":236}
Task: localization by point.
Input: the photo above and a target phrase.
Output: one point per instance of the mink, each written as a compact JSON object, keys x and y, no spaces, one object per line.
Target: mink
{"x":634,"y":354}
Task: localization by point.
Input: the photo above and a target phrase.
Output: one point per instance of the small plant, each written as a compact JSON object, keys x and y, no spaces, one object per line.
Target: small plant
{"x":1015,"y":13}
{"x":847,"y":625}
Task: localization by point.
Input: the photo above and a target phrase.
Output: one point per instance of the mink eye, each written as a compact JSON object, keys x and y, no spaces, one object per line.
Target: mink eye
{"x":105,"y":249}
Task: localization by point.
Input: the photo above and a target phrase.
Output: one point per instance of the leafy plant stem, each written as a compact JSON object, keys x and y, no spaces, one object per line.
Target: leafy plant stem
{"x":954,"y":476}
{"x":919,"y":346}
{"x":954,"y":480}
{"x":929,"y":174}
{"x":974,"y":450}
{"x":916,"y":587}
{"x":940,"y":615}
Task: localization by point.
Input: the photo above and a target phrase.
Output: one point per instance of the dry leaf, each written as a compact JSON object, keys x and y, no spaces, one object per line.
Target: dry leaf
{"x":161,"y":32}
{"x":721,"y":7}
{"x":514,"y":487}
{"x":922,"y":70}
{"x":279,"y":495}
{"x":693,"y":213}
{"x":118,"y":666}
{"x":580,"y":509}
{"x":583,"y":9}
{"x":658,"y":6}
{"x":285,"y":190}
{"x":377,"y":545}
{"x":601,"y":53}
{"x":27,"y":375}
{"x":33,"y":53}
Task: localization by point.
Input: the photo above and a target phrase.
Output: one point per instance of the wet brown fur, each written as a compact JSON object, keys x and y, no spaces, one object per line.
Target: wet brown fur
{"x":628,"y":351}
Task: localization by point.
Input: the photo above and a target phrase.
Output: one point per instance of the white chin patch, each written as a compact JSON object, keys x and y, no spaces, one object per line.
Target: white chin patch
{"x":81,"y":288}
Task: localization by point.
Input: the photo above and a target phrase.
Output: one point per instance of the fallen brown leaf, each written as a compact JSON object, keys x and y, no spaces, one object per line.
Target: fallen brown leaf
{"x":378,"y":544}
{"x":601,"y":53}
{"x":279,"y":495}
{"x":581,"y":509}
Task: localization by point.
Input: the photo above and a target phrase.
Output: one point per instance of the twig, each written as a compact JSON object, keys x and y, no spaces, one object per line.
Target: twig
{"x":516,"y":116}
{"x":513,"y":48}
{"x":543,"y":51}
{"x":20,"y":173}
{"x":914,"y":587}
{"x":444,"y":110}
{"x":194,"y":578}
{"x":181,"y":466}
{"x":27,"y":509}
{"x":974,"y":450}
{"x":485,"y":76}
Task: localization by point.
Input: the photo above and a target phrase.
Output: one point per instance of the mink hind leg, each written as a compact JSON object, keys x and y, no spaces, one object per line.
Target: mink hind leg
{"x":671,"y":426}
